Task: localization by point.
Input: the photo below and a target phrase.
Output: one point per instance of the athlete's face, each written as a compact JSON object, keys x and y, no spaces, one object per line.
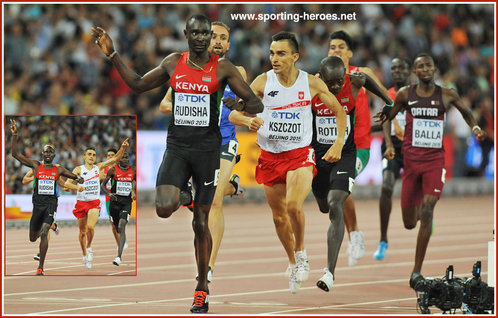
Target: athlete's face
{"x":333,"y":78}
{"x":219,"y":40}
{"x":125,"y":160}
{"x":110,"y":154}
{"x":198,"y":33}
{"x":48,"y":154}
{"x":90,"y":156}
{"x":281,"y":57}
{"x":339,"y":48}
{"x":400,"y":72}
{"x":424,"y":69}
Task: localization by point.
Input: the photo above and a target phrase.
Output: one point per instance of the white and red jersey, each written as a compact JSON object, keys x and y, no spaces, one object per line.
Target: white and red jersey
{"x":92,"y":184}
{"x":287,"y":115}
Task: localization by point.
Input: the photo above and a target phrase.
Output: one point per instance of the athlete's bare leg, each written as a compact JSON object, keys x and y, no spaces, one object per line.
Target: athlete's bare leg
{"x":44,"y":238}
{"x":202,"y":243}
{"x":425,"y":214}
{"x":92,"y":218}
{"x":386,"y":202}
{"x":276,"y":197}
{"x":82,"y":225}
{"x":216,"y":217}
{"x":298,"y":188}
{"x":114,"y":231}
{"x":167,"y":200}
{"x":122,"y":236}
{"x":350,"y":215}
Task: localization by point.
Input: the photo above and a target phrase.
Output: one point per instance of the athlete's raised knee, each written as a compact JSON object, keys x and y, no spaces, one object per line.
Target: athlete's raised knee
{"x":164,"y":208}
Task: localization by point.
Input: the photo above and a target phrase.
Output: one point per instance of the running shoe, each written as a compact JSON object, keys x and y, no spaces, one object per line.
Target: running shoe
{"x":380,"y":253}
{"x":87,"y":263}
{"x":40,"y":272}
{"x":325,"y":283}
{"x":187,"y":195}
{"x":201,"y":302}
{"x":356,"y":249}
{"x":56,"y":230}
{"x":209,"y":276}
{"x":240,"y":191}
{"x":89,"y":254}
{"x":117,"y":261}
{"x":36,"y":257}
{"x":294,"y":284}
{"x":303,"y":266}
{"x":417,"y":282}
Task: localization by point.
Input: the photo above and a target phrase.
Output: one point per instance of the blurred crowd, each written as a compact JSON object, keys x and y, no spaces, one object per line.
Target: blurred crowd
{"x":70,"y":135}
{"x":53,"y":66}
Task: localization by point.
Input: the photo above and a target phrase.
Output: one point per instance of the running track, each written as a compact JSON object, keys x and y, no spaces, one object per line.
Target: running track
{"x":249,"y":275}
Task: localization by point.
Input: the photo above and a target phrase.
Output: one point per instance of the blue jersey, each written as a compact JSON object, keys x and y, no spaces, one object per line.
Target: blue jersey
{"x":227,"y":129}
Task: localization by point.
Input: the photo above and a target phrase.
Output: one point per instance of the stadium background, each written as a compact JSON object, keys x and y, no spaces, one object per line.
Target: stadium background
{"x":52,"y":65}
{"x":70,"y":135}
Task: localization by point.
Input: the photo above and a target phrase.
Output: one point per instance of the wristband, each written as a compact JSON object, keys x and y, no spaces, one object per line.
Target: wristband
{"x":112,"y":54}
{"x":476,"y":127}
{"x":389,"y":105}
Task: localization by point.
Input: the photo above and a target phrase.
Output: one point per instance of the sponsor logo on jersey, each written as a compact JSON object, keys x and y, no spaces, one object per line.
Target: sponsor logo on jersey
{"x":273,"y":93}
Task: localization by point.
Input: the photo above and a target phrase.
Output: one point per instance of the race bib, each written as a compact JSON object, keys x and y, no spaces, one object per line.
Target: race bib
{"x":401,"y":118}
{"x":191,"y":110}
{"x":46,"y":187}
{"x":285,"y":126}
{"x":92,"y":188}
{"x":427,"y":133}
{"x":123,"y":188}
{"x":326,"y":129}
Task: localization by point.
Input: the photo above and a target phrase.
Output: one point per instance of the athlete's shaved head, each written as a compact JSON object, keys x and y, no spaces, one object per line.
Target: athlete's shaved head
{"x":198,"y":17}
{"x":332,"y":72}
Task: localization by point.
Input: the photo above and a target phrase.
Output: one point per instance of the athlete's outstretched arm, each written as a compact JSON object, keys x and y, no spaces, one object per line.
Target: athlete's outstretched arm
{"x":368,"y":71}
{"x":372,"y":86}
{"x":230,"y":75}
{"x":454,"y":100}
{"x":139,"y":84}
{"x":15,"y":152}
{"x":61,"y":171}
{"x":116,"y":157}
{"x":388,"y":113}
{"x":166,"y":107}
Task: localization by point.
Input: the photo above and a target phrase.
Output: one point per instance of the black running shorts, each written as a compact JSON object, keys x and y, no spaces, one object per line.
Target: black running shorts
{"x":179,"y":165}
{"x":334,"y":176}
{"x":229,"y":150}
{"x":42,"y":213}
{"x":119,"y":210}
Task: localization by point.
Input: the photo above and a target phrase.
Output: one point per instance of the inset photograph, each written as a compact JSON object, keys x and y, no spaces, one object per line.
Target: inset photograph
{"x":70,"y":195}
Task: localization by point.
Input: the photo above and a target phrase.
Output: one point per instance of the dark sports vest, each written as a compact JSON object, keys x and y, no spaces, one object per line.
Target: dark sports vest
{"x":121,"y":183}
{"x":324,"y":126}
{"x":425,"y":116}
{"x":196,"y":103}
{"x":45,"y":184}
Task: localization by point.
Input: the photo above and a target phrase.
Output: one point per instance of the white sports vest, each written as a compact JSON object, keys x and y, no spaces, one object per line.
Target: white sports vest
{"x":288,"y":120}
{"x":92,"y":184}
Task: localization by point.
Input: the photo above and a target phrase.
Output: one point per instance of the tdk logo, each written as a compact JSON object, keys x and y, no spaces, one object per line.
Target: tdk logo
{"x":428,"y":123}
{"x":285,"y":115}
{"x":273,"y":93}
{"x":327,"y":120}
{"x":192,"y":98}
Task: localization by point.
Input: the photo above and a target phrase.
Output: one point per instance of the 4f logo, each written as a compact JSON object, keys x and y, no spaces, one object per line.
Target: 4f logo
{"x":273,"y":93}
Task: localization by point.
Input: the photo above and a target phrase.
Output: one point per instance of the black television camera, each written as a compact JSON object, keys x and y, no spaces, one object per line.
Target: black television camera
{"x":451,"y":293}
